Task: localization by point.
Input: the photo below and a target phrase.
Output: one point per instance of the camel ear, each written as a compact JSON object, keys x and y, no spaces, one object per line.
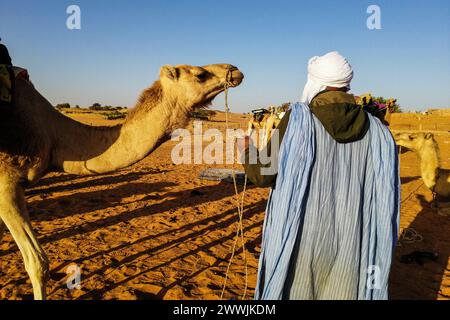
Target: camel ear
{"x":169,"y":71}
{"x":428,"y":136}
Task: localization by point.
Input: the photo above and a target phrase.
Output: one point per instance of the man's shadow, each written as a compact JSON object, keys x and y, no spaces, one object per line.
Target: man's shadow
{"x":415,"y":281}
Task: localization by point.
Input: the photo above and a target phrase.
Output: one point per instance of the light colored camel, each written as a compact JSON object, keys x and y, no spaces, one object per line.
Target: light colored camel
{"x":434,"y":177}
{"x":263,"y":123}
{"x":36,"y":139}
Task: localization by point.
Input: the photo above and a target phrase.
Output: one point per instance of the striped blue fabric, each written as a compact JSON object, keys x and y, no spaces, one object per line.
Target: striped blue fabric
{"x":332,"y":218}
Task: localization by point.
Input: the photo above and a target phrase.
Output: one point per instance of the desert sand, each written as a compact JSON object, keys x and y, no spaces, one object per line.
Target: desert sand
{"x":155,"y":231}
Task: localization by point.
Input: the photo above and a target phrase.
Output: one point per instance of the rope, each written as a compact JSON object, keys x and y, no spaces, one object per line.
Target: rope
{"x":409,"y":235}
{"x":240,"y":207}
{"x":412,"y":193}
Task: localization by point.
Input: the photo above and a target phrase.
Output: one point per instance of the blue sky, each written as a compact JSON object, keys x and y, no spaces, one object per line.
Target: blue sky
{"x":122,"y":44}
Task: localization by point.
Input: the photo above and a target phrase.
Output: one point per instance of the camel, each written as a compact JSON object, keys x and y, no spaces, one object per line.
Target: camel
{"x":390,"y":103}
{"x":36,"y":139}
{"x":434,"y":177}
{"x":385,"y":114}
{"x":257,"y":124}
{"x":265,"y":121}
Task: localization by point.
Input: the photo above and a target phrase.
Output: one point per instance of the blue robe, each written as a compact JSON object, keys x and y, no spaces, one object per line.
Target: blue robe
{"x":332,"y":218}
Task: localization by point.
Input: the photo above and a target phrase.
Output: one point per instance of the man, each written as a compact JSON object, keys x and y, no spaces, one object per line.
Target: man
{"x":332,"y":216}
{"x":8,"y":74}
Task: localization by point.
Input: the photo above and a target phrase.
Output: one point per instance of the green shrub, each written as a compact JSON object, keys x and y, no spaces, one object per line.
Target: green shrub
{"x":202,"y":114}
{"x":115,"y":115}
{"x":63,"y":106}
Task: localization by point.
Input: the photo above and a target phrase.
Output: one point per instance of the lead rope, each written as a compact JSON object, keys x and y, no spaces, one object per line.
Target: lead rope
{"x":240,"y":207}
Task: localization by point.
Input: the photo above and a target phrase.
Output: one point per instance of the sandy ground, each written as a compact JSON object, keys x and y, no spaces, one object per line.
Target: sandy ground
{"x":155,"y":231}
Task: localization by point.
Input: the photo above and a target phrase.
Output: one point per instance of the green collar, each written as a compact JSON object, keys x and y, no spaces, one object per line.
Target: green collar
{"x":341,"y":117}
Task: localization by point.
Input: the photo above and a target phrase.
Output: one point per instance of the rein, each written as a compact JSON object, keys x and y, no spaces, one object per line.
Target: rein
{"x":240,"y":207}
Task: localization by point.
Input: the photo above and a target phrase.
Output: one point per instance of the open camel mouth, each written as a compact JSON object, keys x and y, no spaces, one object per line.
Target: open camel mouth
{"x":234,"y":79}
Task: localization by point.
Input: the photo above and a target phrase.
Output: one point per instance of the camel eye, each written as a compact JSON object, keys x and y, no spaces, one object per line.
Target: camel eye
{"x":199,"y":73}
{"x":202,"y":76}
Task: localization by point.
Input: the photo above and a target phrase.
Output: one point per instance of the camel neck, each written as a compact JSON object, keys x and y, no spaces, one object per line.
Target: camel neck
{"x":106,"y":149}
{"x":429,"y":163}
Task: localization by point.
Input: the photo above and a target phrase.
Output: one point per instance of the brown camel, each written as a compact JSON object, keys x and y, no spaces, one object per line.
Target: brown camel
{"x":36,"y":139}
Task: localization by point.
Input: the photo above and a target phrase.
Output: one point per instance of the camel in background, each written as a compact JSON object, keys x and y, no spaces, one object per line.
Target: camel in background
{"x":390,"y":103}
{"x":263,"y":122}
{"x":434,"y":177}
{"x":36,"y":139}
{"x":382,"y":111}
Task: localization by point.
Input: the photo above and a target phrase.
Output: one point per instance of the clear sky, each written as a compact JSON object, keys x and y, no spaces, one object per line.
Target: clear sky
{"x":122,"y":44}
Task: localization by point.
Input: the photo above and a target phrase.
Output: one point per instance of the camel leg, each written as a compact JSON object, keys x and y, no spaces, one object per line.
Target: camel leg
{"x":14,"y":214}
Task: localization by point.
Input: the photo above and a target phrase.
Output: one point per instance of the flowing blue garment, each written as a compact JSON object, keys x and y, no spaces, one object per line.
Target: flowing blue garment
{"x":332,"y":218}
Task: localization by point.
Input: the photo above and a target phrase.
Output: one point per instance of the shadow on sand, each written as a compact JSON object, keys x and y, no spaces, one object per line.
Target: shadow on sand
{"x":150,"y":191}
{"x":414,"y":281}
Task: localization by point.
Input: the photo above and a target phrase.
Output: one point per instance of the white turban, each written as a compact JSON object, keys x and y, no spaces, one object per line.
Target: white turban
{"x":330,"y":70}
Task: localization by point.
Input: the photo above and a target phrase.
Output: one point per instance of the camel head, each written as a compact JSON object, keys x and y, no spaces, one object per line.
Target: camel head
{"x":197,"y":86}
{"x":273,"y":121}
{"x":414,"y":141}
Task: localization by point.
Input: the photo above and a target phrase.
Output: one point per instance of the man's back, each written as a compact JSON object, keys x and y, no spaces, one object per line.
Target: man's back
{"x":333,"y":220}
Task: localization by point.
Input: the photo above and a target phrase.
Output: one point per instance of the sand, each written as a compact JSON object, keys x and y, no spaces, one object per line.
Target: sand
{"x":155,"y":231}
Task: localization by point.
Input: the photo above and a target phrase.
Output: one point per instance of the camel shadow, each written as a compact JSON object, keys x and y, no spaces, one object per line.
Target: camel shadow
{"x":230,"y":218}
{"x":84,"y":202}
{"x":80,"y":203}
{"x":414,"y":281}
{"x":46,"y":185}
{"x":250,"y":210}
{"x":88,"y":201}
{"x":251,"y":244}
{"x":62,"y":207}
